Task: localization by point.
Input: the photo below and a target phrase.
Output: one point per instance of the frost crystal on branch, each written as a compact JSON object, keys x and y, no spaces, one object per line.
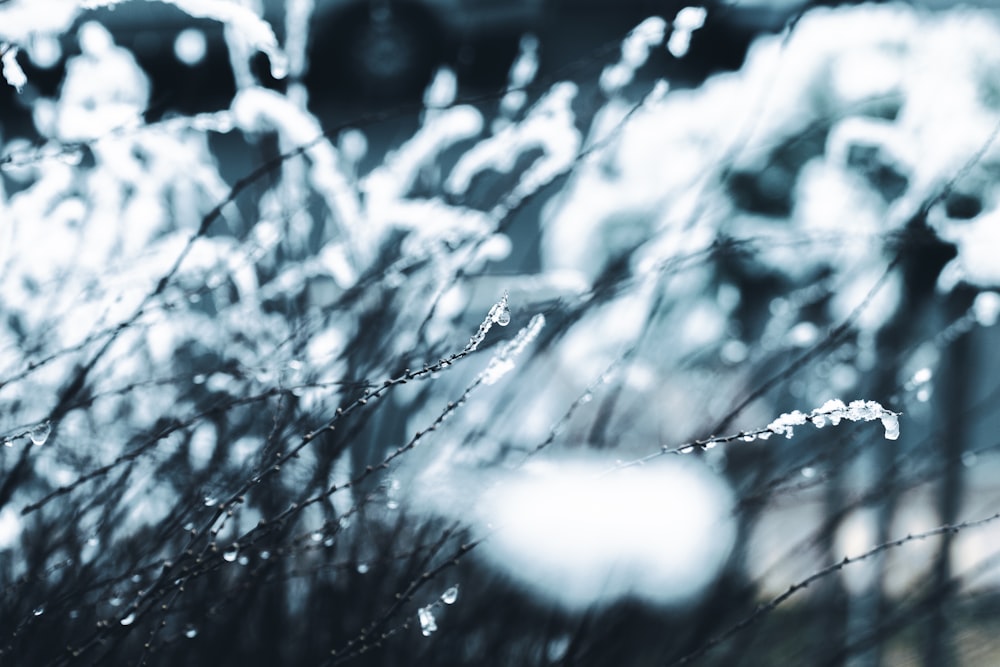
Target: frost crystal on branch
{"x":499,"y":314}
{"x":834,"y":411}
{"x":12,"y":71}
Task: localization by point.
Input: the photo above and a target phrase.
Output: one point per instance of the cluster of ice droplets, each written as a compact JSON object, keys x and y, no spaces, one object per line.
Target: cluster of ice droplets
{"x":428,"y":623}
{"x":833,"y":412}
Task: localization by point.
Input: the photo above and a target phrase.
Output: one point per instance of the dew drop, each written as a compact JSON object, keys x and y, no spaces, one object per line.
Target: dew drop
{"x":211,"y":501}
{"x":687,"y":450}
{"x":191,"y":632}
{"x":500,"y":312}
{"x":809,"y":472}
{"x":7,"y":442}
{"x":243,"y":560}
{"x":428,"y":625}
{"x":450,"y":595}
{"x":231,"y":553}
{"x":128,"y":620}
{"x":891,"y":424}
{"x":392,"y":505}
{"x":363,"y":568}
{"x":40,"y":433}
{"x":317,"y":536}
{"x":38,"y":611}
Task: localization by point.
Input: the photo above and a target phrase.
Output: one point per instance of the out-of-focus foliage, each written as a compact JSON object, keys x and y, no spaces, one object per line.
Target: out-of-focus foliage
{"x":287,"y":417}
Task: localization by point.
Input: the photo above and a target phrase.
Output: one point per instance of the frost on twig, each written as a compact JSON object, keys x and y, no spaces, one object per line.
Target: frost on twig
{"x":503,"y":361}
{"x":12,"y":72}
{"x":832,"y":412}
{"x":499,"y":314}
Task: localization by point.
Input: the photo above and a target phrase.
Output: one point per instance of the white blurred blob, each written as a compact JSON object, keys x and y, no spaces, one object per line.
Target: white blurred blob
{"x":580,"y":537}
{"x":190,"y":46}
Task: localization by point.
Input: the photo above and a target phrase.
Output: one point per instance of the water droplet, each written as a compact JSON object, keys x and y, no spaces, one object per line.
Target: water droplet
{"x":116,"y":601}
{"x":969,"y":459}
{"x":428,"y":624}
{"x":450,"y":595}
{"x":363,"y":568}
{"x":345,"y":522}
{"x":764,"y":435}
{"x":687,"y":450}
{"x":40,"y":433}
{"x":199,"y":378}
{"x":265,"y":555}
{"x":923,"y":394}
{"x":128,"y":620}
{"x":891,"y":424}
{"x":317,"y":536}
{"x":809,"y":472}
{"x":231,"y":553}
{"x":191,"y":632}
{"x":500,"y":312}
{"x":392,"y":505}
{"x":211,"y":501}
{"x":7,"y":442}
{"x":38,"y":611}
{"x":329,"y":542}
{"x":243,"y":560}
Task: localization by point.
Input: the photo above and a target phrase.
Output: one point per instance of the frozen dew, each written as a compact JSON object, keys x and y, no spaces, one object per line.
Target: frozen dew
{"x":40,"y":433}
{"x":687,"y":21}
{"x":891,"y":424}
{"x":231,"y":553}
{"x":128,"y":620}
{"x":190,"y":46}
{"x":450,"y":595}
{"x":428,"y":625}
{"x":986,"y":308}
{"x":500,"y":312}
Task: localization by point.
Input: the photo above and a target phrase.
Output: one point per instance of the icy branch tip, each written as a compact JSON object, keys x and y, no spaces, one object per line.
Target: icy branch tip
{"x":499,"y":314}
{"x":833,"y":412}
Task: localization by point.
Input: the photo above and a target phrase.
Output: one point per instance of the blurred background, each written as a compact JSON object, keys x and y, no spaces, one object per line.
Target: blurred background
{"x":522,"y":332}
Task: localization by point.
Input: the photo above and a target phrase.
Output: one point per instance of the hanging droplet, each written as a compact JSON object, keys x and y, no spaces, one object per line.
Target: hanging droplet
{"x":40,"y":433}
{"x":891,"y":424}
{"x":808,"y":472}
{"x":38,"y":611}
{"x":450,"y":595}
{"x":7,"y":442}
{"x":428,"y":624}
{"x":231,"y":553}
{"x":317,"y":536}
{"x":191,"y":632}
{"x":128,"y":620}
{"x":687,"y":450}
{"x":500,"y":312}
{"x":392,"y":505}
{"x":363,"y":568}
{"x":211,"y":501}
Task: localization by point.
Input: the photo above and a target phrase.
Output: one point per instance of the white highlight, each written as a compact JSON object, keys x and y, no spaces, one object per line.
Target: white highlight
{"x":579,"y":536}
